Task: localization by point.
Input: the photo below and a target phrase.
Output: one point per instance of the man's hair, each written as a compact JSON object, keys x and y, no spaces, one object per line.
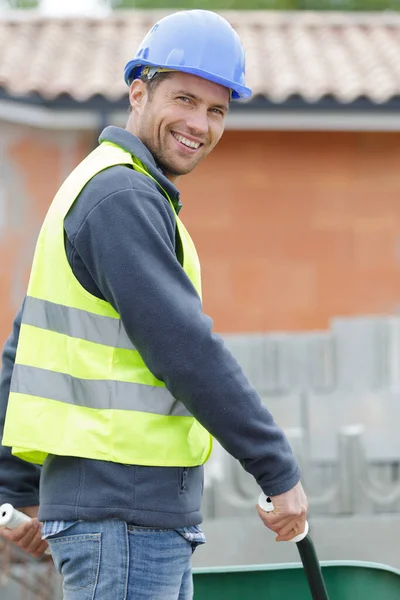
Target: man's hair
{"x":153,"y":83}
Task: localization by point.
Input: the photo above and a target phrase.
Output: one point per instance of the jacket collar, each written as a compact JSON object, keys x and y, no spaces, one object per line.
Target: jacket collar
{"x":135,"y":146}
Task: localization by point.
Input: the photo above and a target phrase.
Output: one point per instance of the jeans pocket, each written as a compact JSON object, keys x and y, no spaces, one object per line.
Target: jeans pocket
{"x":77,"y":559}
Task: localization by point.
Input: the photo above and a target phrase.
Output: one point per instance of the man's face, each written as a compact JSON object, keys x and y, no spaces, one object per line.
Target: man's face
{"x":181,"y":122}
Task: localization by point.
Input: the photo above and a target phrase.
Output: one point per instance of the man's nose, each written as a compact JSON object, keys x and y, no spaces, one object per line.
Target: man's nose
{"x":197,"y":122}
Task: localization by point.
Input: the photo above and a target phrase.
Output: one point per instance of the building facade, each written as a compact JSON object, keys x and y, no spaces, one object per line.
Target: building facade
{"x":295,"y":214}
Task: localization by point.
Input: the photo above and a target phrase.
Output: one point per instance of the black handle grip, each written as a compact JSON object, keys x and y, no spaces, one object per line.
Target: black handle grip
{"x":312,"y":569}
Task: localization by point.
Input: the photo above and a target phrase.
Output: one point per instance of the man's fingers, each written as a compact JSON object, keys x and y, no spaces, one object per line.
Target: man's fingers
{"x":25,"y":540}
{"x":28,"y":537}
{"x":32,"y":538}
{"x":276,"y":522}
{"x":292,"y":528}
{"x":15,"y":535}
{"x":288,"y":537}
{"x":297,"y":529}
{"x":278,"y":518}
{"x":288,"y":518}
{"x":41,"y":549}
{"x":37,"y":547}
{"x":286,"y":527}
{"x":279,"y":522}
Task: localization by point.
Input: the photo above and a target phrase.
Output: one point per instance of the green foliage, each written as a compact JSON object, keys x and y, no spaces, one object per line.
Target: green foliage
{"x":239,"y":4}
{"x":23,"y":3}
{"x":262,"y":4}
{"x":209,"y":4}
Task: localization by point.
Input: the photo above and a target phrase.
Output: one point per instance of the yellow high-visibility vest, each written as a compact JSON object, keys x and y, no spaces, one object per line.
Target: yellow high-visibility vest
{"x":79,"y":387}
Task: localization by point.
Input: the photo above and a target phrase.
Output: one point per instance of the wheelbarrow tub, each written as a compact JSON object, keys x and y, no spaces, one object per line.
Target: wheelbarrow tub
{"x":345,"y":580}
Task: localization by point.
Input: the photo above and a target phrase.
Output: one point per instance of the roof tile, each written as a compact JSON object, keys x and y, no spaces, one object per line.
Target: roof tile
{"x":311,"y":54}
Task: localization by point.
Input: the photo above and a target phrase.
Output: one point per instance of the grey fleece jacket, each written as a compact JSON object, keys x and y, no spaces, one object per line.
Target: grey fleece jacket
{"x":121,"y":242}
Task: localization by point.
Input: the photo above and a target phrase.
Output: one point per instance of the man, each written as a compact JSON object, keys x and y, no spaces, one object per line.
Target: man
{"x":118,"y":379}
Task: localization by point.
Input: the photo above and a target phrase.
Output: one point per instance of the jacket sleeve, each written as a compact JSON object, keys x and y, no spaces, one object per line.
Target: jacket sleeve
{"x":127,"y":244}
{"x":19,"y":480}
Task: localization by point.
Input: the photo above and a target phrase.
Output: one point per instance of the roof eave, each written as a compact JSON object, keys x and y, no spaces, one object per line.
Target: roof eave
{"x":259,"y":114}
{"x":300,"y":120}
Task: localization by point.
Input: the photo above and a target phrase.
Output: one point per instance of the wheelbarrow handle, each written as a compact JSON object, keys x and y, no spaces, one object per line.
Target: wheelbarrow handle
{"x":265,"y":503}
{"x":312,"y":569}
{"x":307,"y":553}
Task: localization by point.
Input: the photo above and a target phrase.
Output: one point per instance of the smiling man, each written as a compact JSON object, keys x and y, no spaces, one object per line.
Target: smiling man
{"x":182,"y":122}
{"x":113,"y":379}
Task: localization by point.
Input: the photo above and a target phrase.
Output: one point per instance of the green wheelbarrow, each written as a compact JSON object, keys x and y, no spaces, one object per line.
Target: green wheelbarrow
{"x":344,"y":580}
{"x":335,"y":580}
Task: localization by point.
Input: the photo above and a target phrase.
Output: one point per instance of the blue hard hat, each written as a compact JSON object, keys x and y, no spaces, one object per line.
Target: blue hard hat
{"x":199,"y":42}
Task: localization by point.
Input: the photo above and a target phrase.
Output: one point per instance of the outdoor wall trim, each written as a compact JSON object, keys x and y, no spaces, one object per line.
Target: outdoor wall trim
{"x":45,"y":118}
{"x":264,"y":120}
{"x":314,"y":121}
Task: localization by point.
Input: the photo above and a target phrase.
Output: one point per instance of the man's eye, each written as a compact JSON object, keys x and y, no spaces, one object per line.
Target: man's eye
{"x":184,"y":98}
{"x":217,"y":111}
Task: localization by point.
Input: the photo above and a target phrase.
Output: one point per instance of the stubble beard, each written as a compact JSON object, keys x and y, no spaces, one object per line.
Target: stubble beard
{"x":169,"y":167}
{"x":160,"y":150}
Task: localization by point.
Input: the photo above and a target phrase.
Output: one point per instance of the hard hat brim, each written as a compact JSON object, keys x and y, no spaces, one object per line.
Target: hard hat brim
{"x":238,"y":91}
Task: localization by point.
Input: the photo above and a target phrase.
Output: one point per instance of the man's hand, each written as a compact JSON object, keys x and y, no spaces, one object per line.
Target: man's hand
{"x":289,"y":516}
{"x":28,"y":536}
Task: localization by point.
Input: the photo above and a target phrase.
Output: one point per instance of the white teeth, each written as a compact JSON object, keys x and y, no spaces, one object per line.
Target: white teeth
{"x":186,"y":142}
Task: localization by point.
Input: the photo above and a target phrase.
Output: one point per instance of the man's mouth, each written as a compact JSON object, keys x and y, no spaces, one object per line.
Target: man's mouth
{"x":186,"y":142}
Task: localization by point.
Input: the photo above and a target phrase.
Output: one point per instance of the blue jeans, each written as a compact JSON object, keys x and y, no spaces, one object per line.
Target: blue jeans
{"x":113,"y":560}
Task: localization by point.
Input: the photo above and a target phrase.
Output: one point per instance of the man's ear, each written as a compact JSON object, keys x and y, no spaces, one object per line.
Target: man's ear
{"x":137,"y":94}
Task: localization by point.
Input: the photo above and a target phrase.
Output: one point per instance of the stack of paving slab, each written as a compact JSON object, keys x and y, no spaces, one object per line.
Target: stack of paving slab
{"x":316,"y":384}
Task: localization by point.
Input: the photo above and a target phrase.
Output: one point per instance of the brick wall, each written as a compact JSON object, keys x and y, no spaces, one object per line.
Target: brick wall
{"x":32,"y":165}
{"x":291,"y":228}
{"x":294,"y":228}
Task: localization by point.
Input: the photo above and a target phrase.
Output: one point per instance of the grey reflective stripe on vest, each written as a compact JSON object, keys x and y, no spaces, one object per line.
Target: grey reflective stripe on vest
{"x":76,"y":323}
{"x":95,"y":393}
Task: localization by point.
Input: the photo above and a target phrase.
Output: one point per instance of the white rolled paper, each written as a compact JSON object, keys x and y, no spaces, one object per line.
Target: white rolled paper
{"x":265,"y":503}
{"x":10,"y":517}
